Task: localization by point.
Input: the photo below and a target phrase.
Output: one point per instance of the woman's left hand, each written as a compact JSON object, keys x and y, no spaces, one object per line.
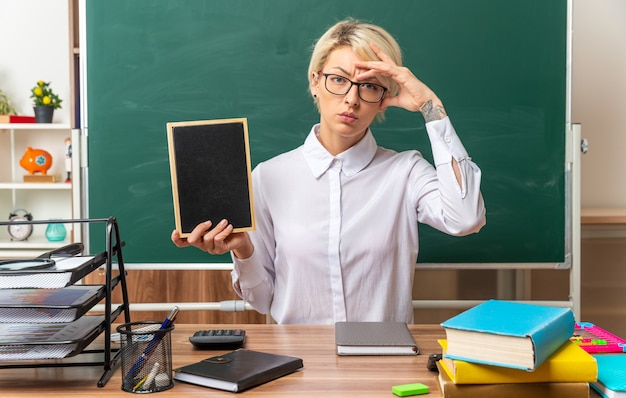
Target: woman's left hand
{"x":413,"y":94}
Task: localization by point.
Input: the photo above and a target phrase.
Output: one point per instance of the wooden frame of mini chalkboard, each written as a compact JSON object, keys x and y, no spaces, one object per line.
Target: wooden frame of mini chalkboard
{"x":210,"y":170}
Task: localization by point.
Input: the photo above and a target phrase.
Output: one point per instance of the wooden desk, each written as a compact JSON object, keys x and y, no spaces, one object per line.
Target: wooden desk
{"x":324,"y":373}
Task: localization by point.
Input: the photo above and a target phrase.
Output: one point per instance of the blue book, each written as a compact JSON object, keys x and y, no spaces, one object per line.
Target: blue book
{"x":611,"y":375}
{"x":507,"y":333}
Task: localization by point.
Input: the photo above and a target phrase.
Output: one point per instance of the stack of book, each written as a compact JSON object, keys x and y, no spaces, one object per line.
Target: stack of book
{"x":511,"y":349}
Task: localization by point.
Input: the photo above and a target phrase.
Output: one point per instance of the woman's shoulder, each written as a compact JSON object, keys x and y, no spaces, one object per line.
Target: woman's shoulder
{"x":282,"y":160}
{"x":390,"y":155}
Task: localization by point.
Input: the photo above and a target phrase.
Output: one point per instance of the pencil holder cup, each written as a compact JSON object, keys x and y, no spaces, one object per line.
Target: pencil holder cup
{"x":146,"y":351}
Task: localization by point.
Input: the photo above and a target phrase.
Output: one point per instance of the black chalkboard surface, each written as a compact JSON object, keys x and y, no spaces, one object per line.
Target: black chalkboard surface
{"x":500,"y":68}
{"x":210,"y":170}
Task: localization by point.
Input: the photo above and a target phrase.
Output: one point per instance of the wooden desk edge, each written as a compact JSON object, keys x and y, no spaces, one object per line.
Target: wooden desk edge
{"x":590,"y":216}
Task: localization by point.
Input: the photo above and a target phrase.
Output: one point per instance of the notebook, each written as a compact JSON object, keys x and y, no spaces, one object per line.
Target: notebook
{"x":611,"y":375}
{"x":238,"y":370}
{"x":374,"y":338}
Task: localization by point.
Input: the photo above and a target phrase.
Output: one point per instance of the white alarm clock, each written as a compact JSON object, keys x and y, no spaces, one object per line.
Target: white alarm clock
{"x":18,"y":229}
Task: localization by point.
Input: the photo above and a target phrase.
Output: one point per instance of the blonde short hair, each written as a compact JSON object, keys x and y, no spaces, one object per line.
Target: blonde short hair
{"x":357,"y":35}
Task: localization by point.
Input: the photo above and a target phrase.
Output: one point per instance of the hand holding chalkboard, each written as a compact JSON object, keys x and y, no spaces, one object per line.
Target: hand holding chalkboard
{"x":216,"y":240}
{"x":210,"y":170}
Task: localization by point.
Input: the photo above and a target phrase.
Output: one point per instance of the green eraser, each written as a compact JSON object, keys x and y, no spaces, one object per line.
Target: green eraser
{"x":404,"y":390}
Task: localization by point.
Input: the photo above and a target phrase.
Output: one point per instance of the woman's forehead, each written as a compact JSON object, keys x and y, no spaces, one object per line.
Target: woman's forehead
{"x":343,"y":59}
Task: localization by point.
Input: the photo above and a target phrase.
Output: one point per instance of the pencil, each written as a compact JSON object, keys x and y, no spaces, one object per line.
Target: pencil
{"x":140,"y":383}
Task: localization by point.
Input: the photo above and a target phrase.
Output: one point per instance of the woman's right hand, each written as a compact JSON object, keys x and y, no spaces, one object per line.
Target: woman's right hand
{"x":218,"y":240}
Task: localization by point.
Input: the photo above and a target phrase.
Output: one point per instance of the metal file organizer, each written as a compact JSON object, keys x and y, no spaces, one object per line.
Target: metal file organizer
{"x":64,"y":339}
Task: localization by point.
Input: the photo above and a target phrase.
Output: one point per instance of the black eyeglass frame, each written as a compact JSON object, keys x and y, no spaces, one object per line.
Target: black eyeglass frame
{"x":358,"y":87}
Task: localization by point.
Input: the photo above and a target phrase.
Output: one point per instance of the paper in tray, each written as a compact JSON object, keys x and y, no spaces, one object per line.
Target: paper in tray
{"x":66,"y":271}
{"x":48,"y":305}
{"x":48,"y":341}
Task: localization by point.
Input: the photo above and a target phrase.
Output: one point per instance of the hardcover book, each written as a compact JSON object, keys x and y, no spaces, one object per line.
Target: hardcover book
{"x":570,"y":363}
{"x":17,"y":119}
{"x":525,"y":390}
{"x":374,"y":338}
{"x":238,"y":370}
{"x":611,"y":375}
{"x":508,"y":333}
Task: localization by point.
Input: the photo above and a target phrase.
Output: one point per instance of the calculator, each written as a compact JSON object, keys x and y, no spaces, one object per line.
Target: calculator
{"x":217,"y":339}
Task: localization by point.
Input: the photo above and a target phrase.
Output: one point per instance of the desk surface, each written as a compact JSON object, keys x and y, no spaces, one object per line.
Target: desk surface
{"x":324,"y":373}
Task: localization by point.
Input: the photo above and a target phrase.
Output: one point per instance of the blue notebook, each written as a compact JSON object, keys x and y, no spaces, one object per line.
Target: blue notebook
{"x":508,"y":333}
{"x":611,"y":375}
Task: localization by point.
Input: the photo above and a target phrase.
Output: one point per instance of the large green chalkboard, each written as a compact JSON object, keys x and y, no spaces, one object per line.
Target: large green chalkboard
{"x":499,"y":66}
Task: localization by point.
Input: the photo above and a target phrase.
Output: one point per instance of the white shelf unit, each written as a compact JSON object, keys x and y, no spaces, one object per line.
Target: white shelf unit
{"x":44,"y":201}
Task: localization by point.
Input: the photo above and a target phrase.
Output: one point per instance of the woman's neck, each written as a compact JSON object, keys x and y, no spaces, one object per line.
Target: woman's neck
{"x":336,"y":144}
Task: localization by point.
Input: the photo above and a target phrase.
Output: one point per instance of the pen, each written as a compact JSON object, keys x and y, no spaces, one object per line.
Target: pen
{"x":170,"y":318}
{"x":151,"y":346}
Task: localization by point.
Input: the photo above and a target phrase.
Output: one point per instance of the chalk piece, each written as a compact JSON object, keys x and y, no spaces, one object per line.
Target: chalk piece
{"x":162,"y":380}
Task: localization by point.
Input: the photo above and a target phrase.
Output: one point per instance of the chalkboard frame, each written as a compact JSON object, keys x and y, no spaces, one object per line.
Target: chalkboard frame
{"x":502,"y":69}
{"x":211,"y":173}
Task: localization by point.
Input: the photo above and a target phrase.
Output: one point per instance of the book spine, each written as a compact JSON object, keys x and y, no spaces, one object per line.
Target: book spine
{"x":17,"y":119}
{"x":494,"y":390}
{"x":469,"y":373}
{"x":547,"y":338}
{"x":544,"y":390}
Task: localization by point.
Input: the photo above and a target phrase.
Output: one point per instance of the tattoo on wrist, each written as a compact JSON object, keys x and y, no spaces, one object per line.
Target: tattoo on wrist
{"x":431,"y":112}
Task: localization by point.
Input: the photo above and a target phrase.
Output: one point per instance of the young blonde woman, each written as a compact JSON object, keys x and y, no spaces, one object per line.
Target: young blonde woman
{"x":337,"y":218}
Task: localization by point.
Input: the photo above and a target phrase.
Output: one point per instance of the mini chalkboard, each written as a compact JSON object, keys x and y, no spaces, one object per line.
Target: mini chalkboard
{"x":210,"y":169}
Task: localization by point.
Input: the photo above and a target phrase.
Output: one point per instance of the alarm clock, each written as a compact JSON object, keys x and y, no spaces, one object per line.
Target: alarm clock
{"x":18,"y":229}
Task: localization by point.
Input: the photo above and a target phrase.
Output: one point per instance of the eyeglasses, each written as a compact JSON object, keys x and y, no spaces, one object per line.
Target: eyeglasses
{"x":339,"y":85}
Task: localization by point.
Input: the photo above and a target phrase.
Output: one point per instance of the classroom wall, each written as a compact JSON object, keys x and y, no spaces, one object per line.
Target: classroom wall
{"x":599,"y":98}
{"x":598,"y":103}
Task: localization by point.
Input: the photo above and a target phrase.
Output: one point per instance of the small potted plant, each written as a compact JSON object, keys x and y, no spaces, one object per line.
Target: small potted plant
{"x":6,"y":108}
{"x":45,"y":101}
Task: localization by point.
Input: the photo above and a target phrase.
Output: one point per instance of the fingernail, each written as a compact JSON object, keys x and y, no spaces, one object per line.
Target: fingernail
{"x":223,"y":222}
